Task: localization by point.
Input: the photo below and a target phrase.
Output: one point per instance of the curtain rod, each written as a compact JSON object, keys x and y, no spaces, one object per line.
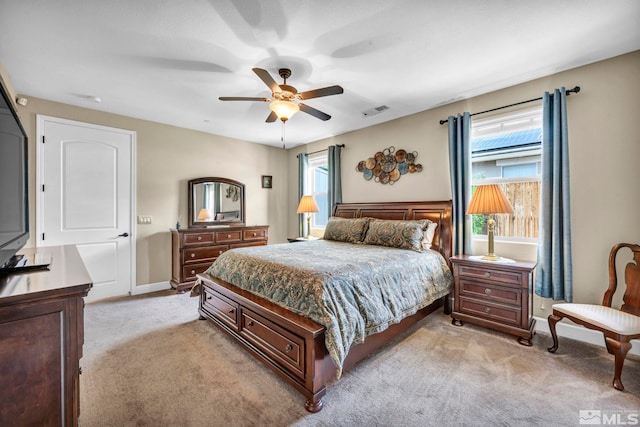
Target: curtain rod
{"x":569,"y":92}
{"x":320,"y":151}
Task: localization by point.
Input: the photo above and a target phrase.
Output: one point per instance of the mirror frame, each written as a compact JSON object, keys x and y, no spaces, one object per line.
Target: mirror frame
{"x":204,"y":224}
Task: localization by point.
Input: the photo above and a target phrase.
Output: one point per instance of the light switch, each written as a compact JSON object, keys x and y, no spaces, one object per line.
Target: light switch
{"x":144,"y":220}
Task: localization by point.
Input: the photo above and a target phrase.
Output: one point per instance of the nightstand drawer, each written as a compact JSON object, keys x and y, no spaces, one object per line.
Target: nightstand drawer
{"x":491,"y":293}
{"x":500,"y":313}
{"x":492,"y":274}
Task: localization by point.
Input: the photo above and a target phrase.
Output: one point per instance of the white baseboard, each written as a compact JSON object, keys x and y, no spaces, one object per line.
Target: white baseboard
{"x":578,"y":333}
{"x":151,"y":287}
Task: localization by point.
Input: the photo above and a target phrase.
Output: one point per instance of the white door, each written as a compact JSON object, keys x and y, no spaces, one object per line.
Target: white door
{"x":85,"y":188}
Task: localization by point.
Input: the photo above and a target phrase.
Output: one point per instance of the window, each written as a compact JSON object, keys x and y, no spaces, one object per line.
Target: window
{"x":318,"y":187}
{"x":506,"y":150}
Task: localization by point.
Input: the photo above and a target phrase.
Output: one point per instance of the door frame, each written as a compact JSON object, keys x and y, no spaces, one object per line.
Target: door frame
{"x":39,"y":196}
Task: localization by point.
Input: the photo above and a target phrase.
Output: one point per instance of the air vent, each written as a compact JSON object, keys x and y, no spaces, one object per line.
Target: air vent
{"x":374,"y":111}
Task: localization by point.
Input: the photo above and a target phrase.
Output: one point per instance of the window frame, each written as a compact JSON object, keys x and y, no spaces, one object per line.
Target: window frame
{"x":528,"y":118}
{"x":316,"y":161}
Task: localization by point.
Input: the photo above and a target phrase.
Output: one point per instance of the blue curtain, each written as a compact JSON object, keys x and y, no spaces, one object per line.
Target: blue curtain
{"x":335,"y":176}
{"x":460,"y":169}
{"x":554,"y":270}
{"x":303,"y":162}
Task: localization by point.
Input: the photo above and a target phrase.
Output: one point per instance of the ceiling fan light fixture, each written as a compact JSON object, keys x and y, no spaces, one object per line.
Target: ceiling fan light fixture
{"x":284,"y":109}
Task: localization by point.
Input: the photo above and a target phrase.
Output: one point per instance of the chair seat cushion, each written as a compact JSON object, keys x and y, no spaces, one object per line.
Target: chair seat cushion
{"x":604,"y":317}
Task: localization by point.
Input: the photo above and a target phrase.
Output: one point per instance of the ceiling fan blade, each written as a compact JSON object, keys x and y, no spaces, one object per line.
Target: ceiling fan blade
{"x":315,"y":113}
{"x":272,"y":117}
{"x":267,"y":79}
{"x":242,"y":98}
{"x":317,"y":93}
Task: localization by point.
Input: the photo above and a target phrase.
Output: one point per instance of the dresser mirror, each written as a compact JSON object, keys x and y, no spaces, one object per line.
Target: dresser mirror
{"x":215,"y":202}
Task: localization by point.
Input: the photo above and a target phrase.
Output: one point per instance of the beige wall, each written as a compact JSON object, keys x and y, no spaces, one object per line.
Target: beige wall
{"x":604,"y":134}
{"x":605,"y":147}
{"x":167,"y":157}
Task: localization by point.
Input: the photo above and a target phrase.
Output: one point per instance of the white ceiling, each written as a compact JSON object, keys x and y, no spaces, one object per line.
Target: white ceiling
{"x":169,"y":61}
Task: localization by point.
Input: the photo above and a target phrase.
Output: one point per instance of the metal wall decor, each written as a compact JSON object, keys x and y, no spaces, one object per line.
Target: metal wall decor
{"x":388,"y":165}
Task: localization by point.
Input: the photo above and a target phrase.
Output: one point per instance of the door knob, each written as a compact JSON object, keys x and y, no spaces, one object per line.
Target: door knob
{"x":123,"y":235}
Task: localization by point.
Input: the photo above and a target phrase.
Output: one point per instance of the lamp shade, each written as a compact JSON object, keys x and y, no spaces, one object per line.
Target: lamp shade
{"x":204,"y":214}
{"x":307,"y":205}
{"x":488,"y":199}
{"x":284,"y":109}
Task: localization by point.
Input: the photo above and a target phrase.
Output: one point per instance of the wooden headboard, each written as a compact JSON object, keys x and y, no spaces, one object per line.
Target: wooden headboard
{"x":438,"y":212}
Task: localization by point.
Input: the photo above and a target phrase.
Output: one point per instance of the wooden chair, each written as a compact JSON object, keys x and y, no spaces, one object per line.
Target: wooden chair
{"x":618,"y":326}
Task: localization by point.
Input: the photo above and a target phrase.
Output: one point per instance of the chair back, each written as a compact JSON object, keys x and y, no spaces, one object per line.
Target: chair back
{"x":631,"y":298}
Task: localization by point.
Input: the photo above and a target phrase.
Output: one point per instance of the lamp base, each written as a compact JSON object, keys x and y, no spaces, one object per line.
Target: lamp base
{"x":491,"y":257}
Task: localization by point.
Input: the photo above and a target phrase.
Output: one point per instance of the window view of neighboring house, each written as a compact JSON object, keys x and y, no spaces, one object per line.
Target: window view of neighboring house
{"x":318,"y":181}
{"x":506,"y":150}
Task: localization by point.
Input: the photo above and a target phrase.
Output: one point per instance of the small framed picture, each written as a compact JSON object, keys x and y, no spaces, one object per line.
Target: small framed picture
{"x":266,"y":181}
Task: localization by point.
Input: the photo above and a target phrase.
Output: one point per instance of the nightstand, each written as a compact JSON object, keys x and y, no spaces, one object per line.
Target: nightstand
{"x":496,"y":295}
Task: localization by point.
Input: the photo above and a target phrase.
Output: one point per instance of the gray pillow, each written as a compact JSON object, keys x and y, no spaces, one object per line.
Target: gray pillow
{"x":351,"y":230}
{"x":397,"y":234}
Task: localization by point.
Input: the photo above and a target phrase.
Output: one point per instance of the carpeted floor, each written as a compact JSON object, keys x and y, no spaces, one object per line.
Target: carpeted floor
{"x":149,"y":361}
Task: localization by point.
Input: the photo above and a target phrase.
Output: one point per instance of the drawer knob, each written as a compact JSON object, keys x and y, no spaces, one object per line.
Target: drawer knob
{"x":199,"y":237}
{"x":255,"y":234}
{"x":209,"y":297}
{"x":193,"y":272}
{"x":228,"y":236}
{"x":231,"y":311}
{"x":288,"y":348}
{"x":250,"y":323}
{"x":487,"y":274}
{"x":220,"y":252}
{"x":487,"y":291}
{"x":487,"y":310}
{"x":193,"y":255}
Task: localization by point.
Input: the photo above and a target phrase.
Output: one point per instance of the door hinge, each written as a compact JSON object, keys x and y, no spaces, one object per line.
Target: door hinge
{"x":42,"y":187}
{"x":43,"y":139}
{"x":42,"y":236}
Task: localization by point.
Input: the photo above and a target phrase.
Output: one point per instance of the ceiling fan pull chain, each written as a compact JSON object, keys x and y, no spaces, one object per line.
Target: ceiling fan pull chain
{"x":282,"y":136}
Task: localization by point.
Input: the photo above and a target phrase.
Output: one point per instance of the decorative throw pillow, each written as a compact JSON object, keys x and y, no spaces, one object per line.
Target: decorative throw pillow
{"x":397,"y":233}
{"x":351,"y":230}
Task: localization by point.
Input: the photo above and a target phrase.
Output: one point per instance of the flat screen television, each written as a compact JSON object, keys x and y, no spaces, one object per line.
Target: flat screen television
{"x":14,"y":199}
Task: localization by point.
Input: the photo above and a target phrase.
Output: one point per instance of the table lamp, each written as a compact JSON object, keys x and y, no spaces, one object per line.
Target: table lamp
{"x":204,"y":215}
{"x":489,"y":199}
{"x":308,"y":205}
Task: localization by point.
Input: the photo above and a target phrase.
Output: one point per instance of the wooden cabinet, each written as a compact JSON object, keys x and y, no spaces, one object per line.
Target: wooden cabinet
{"x":193,"y":250}
{"x":494,"y":295}
{"x":41,"y":338}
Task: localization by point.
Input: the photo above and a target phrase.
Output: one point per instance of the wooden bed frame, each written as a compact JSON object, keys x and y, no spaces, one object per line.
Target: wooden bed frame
{"x":293,"y":346}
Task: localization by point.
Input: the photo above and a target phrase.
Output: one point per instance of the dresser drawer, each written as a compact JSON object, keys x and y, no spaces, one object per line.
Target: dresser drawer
{"x":247,"y":244}
{"x":254,"y":234}
{"x":491,"y":274}
{"x":189,"y":271}
{"x":491,"y":293}
{"x":197,"y":255}
{"x":487,"y":310}
{"x":228,"y":236}
{"x":220,"y":307}
{"x":277,"y":342}
{"x":198,"y":239}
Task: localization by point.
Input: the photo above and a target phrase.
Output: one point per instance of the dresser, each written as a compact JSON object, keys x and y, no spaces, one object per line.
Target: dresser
{"x":193,"y":250}
{"x":41,"y":338}
{"x":495,"y":295}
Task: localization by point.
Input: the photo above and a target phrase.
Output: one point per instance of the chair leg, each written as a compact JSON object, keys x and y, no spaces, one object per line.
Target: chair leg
{"x":553,"y":319}
{"x":619,"y":350}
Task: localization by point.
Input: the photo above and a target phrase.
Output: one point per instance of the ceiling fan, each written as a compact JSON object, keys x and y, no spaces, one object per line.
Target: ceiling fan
{"x":284,"y":101}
